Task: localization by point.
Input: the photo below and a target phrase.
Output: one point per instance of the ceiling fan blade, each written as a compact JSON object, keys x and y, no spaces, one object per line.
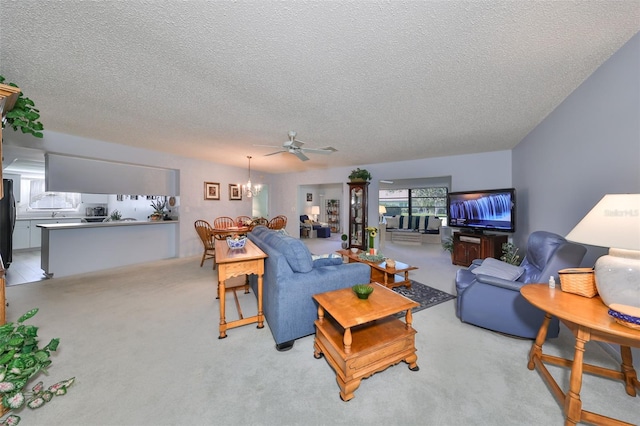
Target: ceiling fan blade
{"x":269,"y":146}
{"x":300,"y":155}
{"x":293,"y":143}
{"x":274,"y":153}
{"x":326,"y":151}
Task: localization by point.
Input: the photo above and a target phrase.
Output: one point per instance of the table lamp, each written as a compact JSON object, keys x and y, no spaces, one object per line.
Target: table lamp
{"x":382,"y":210}
{"x":615,"y":223}
{"x":315,"y":211}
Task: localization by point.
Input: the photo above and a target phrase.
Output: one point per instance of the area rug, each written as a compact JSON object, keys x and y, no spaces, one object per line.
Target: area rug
{"x":423,"y":294}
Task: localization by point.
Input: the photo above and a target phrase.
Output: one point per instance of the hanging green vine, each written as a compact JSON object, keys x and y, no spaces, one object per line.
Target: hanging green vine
{"x":24,"y":116}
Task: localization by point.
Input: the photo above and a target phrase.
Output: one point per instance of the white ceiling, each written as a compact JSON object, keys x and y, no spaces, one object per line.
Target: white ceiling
{"x":378,"y":80}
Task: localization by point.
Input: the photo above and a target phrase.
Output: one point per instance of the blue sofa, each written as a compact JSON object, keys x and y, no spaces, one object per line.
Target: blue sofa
{"x":291,"y":278}
{"x":496,"y":303}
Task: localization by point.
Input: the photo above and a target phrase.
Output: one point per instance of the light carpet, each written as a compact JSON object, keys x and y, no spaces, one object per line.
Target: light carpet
{"x":143,"y":343}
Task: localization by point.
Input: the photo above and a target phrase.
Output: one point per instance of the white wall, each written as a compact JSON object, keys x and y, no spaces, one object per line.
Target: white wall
{"x":193,"y":174}
{"x":468,"y":172}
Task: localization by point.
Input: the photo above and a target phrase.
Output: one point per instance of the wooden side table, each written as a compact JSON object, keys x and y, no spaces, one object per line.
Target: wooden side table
{"x":587,"y":318}
{"x":362,"y":337}
{"x":233,"y":263}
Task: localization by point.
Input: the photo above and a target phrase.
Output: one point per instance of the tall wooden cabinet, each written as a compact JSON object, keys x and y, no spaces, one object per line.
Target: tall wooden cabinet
{"x":358,"y":196}
{"x":467,"y":247}
{"x":333,"y":215}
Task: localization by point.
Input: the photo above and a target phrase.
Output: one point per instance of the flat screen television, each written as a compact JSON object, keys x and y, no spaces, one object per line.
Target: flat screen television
{"x":479,"y":211}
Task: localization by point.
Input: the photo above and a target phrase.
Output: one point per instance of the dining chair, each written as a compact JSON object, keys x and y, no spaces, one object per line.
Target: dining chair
{"x":205,"y":232}
{"x":277,"y":222}
{"x":243,"y":220}
{"x":223,"y":222}
{"x":259,"y":221}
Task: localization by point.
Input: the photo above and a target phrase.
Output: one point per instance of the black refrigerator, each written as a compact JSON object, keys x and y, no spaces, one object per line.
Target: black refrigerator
{"x":7,"y":222}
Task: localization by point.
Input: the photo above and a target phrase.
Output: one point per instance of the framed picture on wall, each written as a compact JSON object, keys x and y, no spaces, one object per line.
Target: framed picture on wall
{"x":309,"y":196}
{"x":211,"y":191}
{"x":234,"y":192}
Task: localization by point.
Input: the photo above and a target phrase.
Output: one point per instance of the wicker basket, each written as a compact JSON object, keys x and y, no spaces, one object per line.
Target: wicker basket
{"x":579,"y":281}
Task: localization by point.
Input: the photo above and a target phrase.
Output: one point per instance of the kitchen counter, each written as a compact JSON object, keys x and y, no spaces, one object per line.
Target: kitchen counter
{"x":105,"y":224}
{"x":75,"y":248}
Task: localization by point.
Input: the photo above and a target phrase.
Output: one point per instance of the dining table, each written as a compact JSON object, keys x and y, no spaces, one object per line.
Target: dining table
{"x":223,"y":233}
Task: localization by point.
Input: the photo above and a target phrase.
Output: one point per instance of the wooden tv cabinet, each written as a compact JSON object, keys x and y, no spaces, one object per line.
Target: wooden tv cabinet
{"x":467,"y":247}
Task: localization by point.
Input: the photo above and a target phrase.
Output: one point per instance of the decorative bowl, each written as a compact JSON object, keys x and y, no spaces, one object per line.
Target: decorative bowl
{"x":235,"y":244}
{"x":362,"y":290}
{"x":354,"y":250}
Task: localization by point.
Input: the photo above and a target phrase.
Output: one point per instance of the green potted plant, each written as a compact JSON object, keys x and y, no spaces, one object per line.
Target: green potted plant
{"x":360,"y":175}
{"x":510,"y":254}
{"x":115,"y":215}
{"x":23,"y":116}
{"x":158,"y":209}
{"x":345,"y":244}
{"x":20,"y":360}
{"x":447,"y":245}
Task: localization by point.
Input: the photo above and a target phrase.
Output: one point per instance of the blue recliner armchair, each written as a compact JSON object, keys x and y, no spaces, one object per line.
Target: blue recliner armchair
{"x":496,"y":304}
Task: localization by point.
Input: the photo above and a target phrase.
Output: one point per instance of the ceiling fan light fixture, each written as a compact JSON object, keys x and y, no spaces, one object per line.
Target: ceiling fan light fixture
{"x":248,"y":189}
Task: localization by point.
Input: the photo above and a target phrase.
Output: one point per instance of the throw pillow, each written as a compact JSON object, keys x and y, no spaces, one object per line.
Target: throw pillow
{"x":329,"y":259}
{"x":499,"y":269}
{"x":392,"y":222}
{"x":433,"y":224}
{"x":422,"y":222}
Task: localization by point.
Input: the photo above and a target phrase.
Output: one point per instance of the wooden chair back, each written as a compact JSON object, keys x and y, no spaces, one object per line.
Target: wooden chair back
{"x":260,"y":221}
{"x":243,"y":220}
{"x":278,"y":222}
{"x":223,"y":222}
{"x":205,"y":232}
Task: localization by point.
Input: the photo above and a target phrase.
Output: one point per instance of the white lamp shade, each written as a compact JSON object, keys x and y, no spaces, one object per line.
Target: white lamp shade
{"x":382,"y":209}
{"x":315,"y":209}
{"x":613,"y":222}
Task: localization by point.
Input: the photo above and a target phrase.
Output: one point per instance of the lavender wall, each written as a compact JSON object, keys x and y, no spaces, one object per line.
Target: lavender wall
{"x":587,"y":147}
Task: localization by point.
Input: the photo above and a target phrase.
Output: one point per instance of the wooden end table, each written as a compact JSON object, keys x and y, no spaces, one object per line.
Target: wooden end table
{"x":588,"y":319}
{"x":381,"y":273}
{"x":233,"y":263}
{"x":362,"y":337}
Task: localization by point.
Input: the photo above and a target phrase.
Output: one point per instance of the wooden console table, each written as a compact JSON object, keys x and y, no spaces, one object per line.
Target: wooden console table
{"x":233,"y":263}
{"x":362,"y":337}
{"x":587,"y":318}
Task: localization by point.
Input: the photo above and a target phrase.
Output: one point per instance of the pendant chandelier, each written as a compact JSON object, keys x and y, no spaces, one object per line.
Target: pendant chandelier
{"x":248,"y":189}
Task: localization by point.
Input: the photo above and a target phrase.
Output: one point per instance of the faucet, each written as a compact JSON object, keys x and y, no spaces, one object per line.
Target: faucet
{"x":54,"y":214}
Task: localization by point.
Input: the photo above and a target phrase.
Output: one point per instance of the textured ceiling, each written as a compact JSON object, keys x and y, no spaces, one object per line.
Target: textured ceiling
{"x":378,"y":80}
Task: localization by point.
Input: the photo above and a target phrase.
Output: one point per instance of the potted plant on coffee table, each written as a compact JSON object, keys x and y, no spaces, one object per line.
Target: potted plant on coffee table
{"x":21,"y":359}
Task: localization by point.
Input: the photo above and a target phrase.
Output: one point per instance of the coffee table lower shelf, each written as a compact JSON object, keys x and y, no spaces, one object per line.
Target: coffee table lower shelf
{"x":375,"y":346}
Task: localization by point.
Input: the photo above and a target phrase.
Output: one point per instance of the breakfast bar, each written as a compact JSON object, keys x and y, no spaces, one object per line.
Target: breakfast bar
{"x":75,"y":248}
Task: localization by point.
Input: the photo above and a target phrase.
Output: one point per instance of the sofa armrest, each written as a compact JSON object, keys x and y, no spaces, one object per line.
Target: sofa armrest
{"x":499,"y":282}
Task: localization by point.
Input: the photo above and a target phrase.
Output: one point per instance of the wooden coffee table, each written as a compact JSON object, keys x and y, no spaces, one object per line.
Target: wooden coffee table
{"x":361,"y":337}
{"x":381,"y":273}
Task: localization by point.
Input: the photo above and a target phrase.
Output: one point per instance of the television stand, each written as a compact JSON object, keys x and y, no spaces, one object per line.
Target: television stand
{"x":470,"y":246}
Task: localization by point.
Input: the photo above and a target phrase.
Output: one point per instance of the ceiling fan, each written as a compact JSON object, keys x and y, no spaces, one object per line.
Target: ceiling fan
{"x":294,"y":146}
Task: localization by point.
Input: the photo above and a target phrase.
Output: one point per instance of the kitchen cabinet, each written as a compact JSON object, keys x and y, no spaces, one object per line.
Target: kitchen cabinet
{"x":94,"y":198}
{"x":21,"y":235}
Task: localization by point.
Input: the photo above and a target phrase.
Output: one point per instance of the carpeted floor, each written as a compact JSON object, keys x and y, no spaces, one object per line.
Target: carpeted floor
{"x":423,"y":294}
